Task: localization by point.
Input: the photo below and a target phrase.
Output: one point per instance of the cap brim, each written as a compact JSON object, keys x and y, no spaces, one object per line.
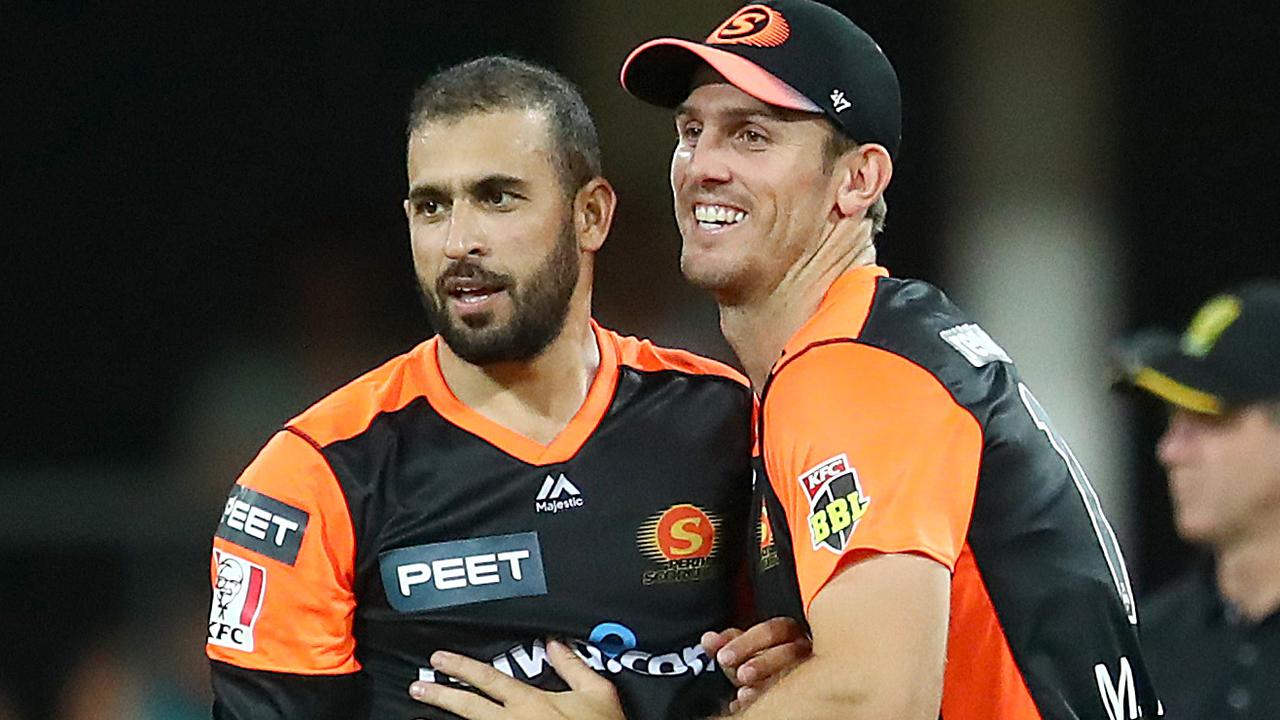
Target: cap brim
{"x":1154,"y":362}
{"x":660,"y":72}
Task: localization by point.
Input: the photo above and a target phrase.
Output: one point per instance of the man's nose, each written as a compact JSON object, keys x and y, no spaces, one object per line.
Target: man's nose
{"x":464,"y":238}
{"x":708,"y":163}
{"x":1172,"y":446}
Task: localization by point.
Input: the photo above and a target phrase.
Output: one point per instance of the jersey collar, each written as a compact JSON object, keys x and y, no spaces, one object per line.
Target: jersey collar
{"x":841,"y":313}
{"x":565,"y":445}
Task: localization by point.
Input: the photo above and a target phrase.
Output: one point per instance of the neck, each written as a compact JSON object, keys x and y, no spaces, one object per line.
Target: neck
{"x":759,"y":327}
{"x":1249,"y":574}
{"x":536,"y":398}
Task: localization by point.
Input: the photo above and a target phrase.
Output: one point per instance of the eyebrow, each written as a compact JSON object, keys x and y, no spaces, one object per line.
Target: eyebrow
{"x":488,"y":183}
{"x":744,"y":112}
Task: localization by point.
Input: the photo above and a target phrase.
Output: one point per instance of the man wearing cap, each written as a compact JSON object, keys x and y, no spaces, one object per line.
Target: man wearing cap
{"x":1212,"y":637}
{"x":948,"y":549}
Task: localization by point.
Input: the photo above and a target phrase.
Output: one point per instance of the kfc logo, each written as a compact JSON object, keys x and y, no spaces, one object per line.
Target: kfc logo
{"x":238,"y":590}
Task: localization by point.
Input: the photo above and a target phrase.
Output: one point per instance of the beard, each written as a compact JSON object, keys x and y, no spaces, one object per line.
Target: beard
{"x":539,"y":306}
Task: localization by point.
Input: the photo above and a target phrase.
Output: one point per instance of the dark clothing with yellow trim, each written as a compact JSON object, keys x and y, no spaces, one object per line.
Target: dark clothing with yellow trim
{"x":1207,"y":661}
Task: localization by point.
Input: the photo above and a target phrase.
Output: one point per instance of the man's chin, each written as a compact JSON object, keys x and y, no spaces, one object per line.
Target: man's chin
{"x":711,"y":277}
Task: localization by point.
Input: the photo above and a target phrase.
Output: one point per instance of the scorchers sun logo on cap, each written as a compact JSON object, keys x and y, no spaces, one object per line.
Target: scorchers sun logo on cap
{"x":756,"y":25}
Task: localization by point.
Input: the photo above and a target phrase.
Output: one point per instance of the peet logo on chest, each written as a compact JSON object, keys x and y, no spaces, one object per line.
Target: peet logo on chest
{"x":683,"y":541}
{"x":426,"y":577}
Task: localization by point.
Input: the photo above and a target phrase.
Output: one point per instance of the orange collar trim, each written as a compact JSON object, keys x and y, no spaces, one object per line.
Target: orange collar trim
{"x":565,"y":445}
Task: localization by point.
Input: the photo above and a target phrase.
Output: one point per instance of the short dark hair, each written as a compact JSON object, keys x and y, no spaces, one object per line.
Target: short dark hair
{"x":834,"y":147}
{"x":496,"y":83}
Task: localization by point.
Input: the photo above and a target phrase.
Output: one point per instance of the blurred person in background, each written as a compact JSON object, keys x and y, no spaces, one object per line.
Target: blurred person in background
{"x":524,"y":474}
{"x":1212,"y":636}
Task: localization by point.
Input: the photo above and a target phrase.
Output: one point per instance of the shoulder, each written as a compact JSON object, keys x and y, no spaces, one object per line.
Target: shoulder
{"x":857,"y":383}
{"x":644,"y":356}
{"x":349,"y":410}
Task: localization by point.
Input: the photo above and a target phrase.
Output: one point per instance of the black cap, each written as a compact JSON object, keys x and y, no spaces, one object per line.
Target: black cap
{"x":796,"y":54}
{"x":1228,"y":357}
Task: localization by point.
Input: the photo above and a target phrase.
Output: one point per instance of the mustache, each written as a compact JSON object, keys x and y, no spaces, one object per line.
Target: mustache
{"x":468,"y":269}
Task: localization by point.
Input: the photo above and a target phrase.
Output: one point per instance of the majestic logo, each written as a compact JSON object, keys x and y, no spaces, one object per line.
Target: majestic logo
{"x":558,"y":494}
{"x":768,"y":549}
{"x":617,"y":654}
{"x":974,"y":344}
{"x":237,"y":599}
{"x":682,"y":540}
{"x":836,"y":502}
{"x":755,"y":25}
{"x":263,"y":524}
{"x":425,"y":577}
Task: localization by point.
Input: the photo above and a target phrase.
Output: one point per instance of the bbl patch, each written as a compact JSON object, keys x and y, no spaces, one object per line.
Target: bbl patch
{"x":238,"y":592}
{"x":426,"y":577}
{"x":263,"y":524}
{"x":836,"y":502}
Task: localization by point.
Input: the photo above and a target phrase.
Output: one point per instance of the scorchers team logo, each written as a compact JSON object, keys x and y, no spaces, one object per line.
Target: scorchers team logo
{"x":683,"y":540}
{"x":768,"y":548}
{"x":836,"y":502}
{"x":756,"y":25}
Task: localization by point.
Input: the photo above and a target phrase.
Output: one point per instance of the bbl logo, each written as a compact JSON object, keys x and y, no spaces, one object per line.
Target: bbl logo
{"x":683,"y":540}
{"x":836,"y":502}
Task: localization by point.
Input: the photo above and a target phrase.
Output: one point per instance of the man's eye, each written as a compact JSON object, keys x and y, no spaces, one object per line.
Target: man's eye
{"x":690,"y":133}
{"x":753,"y":136}
{"x":428,"y":208}
{"x":499,"y":198}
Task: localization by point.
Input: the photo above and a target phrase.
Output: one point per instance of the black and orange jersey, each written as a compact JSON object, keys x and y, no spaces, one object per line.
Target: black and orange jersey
{"x":390,"y":520}
{"x":893,"y":424}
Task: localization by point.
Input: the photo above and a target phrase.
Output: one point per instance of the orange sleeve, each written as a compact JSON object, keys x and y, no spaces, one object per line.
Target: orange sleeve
{"x":868,"y":452}
{"x":283,"y":567}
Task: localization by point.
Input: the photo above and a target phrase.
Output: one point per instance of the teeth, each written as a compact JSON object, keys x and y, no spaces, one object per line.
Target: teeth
{"x":718,"y":214}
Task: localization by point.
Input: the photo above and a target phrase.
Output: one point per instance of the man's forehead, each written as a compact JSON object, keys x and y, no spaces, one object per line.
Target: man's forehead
{"x":496,"y":131}
{"x":472,"y":146}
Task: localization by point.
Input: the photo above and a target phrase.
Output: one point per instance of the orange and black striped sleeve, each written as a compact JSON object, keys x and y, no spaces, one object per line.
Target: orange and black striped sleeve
{"x":868,"y":453}
{"x":280,"y":623}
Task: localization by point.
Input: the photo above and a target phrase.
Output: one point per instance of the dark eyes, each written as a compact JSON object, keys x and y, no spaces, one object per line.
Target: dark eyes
{"x":427,"y":208}
{"x":498,"y":198}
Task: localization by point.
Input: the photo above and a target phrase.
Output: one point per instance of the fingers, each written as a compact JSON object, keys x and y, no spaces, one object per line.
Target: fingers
{"x":572,"y":669}
{"x":713,"y":641}
{"x":758,"y":638}
{"x":745,"y":697}
{"x":459,"y":702}
{"x":482,"y":676}
{"x":768,"y":665}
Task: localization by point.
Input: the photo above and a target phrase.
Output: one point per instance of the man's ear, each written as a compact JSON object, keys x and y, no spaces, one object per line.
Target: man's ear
{"x":593,"y":208}
{"x":864,"y":174}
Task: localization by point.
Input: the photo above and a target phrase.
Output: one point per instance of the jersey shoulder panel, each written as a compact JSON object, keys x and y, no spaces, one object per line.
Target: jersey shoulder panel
{"x":349,"y":410}
{"x":645,"y":356}
{"x":867,"y":451}
{"x":283,"y":566}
